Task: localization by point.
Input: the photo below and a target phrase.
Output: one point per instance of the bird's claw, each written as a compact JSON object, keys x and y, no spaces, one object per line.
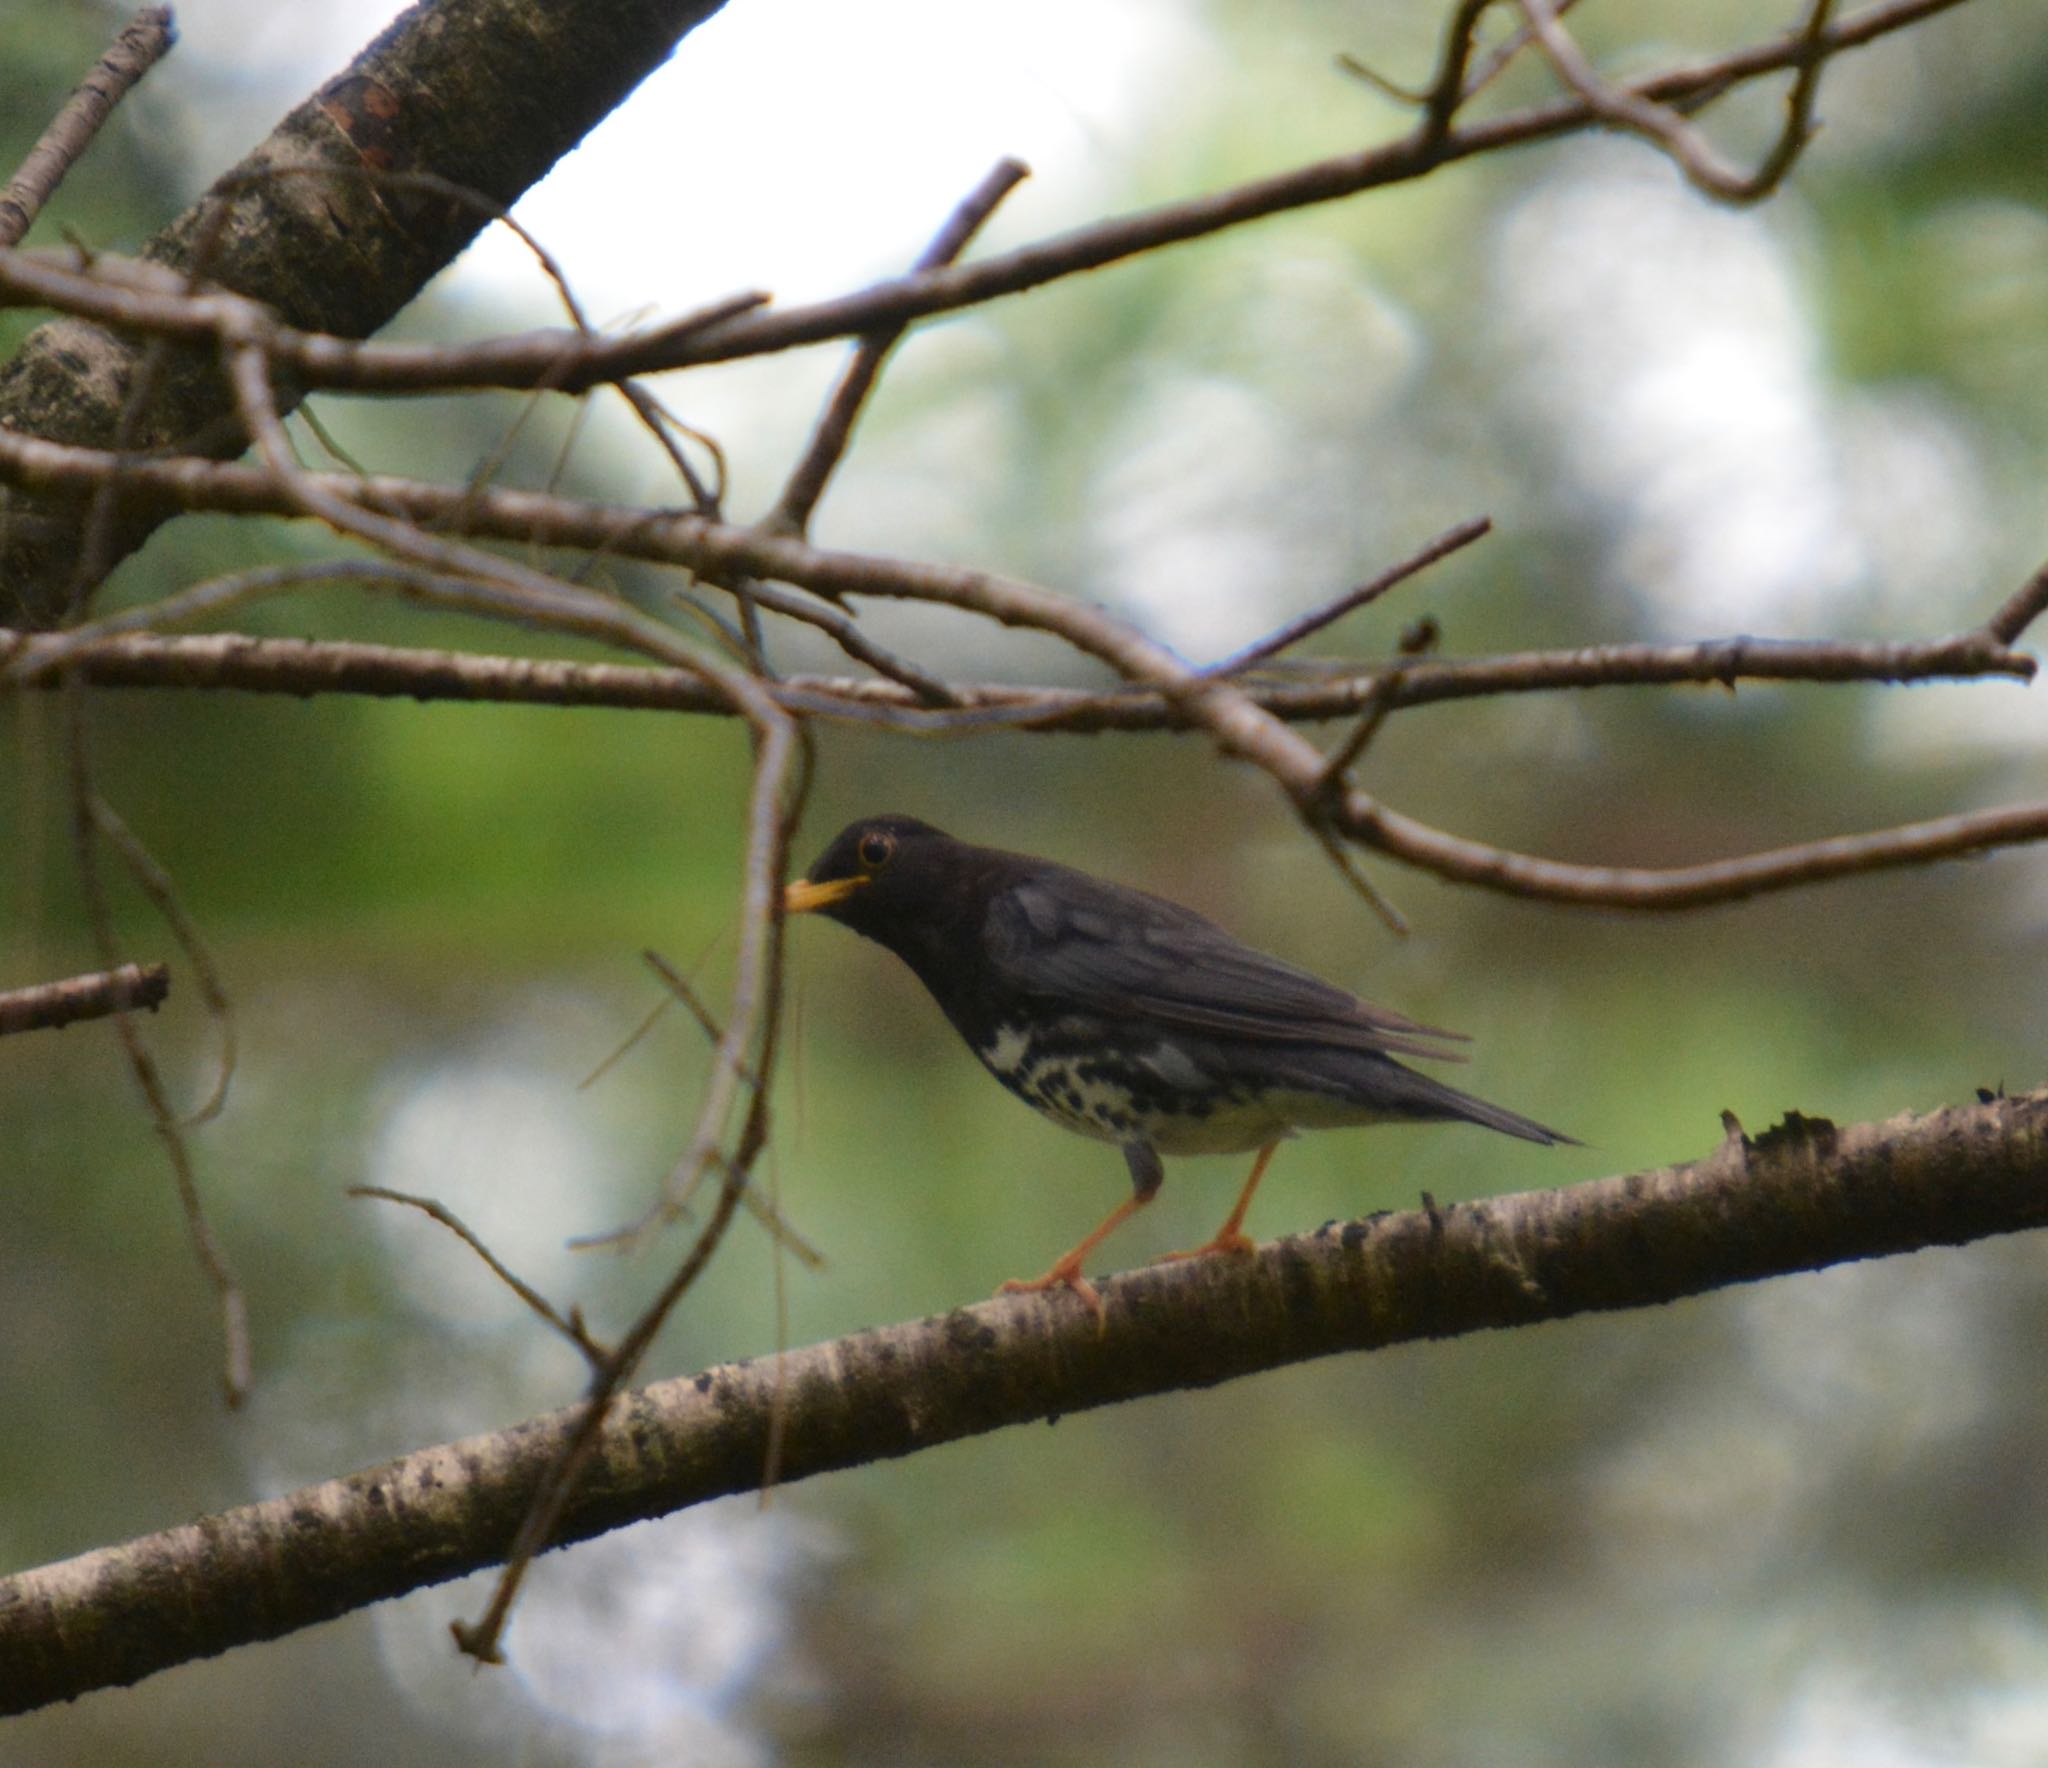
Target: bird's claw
{"x":1233,"y":1242}
{"x":1064,"y":1275}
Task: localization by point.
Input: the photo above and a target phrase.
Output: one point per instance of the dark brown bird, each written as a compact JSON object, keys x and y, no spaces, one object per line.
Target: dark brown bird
{"x":1129,"y":1018}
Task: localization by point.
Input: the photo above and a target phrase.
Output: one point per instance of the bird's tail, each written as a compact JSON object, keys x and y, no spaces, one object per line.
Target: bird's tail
{"x":1421,"y":1096}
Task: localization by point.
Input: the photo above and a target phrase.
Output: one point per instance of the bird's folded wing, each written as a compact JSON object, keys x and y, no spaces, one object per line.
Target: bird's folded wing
{"x":1099,"y":947}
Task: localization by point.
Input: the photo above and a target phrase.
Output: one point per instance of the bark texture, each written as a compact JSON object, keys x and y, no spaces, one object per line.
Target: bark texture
{"x":1801,"y":1196}
{"x":485,"y":94}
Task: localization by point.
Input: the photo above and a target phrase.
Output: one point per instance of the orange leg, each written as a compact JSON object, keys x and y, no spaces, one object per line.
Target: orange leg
{"x":1067,"y":1269}
{"x":1231,"y":1237}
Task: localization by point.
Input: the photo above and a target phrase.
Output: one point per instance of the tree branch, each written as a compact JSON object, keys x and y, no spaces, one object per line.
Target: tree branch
{"x":49,"y":1006}
{"x":1803,"y":1196}
{"x":566,"y":361}
{"x":303,"y":667}
{"x":487,"y":94}
{"x":141,"y":45}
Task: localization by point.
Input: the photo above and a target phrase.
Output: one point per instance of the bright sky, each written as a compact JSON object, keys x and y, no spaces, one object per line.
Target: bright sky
{"x":799,"y":145}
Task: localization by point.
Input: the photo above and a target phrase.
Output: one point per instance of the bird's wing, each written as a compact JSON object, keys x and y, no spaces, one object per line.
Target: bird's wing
{"x":1100,"y":947}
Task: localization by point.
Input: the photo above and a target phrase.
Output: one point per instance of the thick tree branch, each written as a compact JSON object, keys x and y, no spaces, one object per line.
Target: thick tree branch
{"x":487,"y":94}
{"x":1803,"y":1196}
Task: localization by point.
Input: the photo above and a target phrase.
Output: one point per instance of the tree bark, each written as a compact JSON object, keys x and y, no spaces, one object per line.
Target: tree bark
{"x":1799,"y":1197}
{"x":484,"y":94}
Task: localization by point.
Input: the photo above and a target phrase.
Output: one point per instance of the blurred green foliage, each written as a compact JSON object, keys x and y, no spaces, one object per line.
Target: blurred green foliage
{"x":1755,"y":1528}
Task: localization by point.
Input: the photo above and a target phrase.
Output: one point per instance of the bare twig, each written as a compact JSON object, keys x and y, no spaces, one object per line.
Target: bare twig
{"x":746,"y":1046}
{"x":480,"y":581}
{"x":1364,"y":595}
{"x":86,"y":826}
{"x":1663,"y":889}
{"x":49,"y":1006}
{"x":763,"y":1209}
{"x":2020,"y":610}
{"x":925,"y":688}
{"x":678,"y":986}
{"x":1417,"y":642}
{"x":126,"y":294}
{"x":756,"y":1005}
{"x":144,"y":42}
{"x":155,"y":883}
{"x":570,"y":1326}
{"x":1666,"y":127}
{"x":695,"y":544}
{"x":792,"y":511}
{"x":1448,"y":90}
{"x":300,"y":667}
{"x":1243,"y":723}
{"x":1353,"y":874}
{"x":1492,"y":65}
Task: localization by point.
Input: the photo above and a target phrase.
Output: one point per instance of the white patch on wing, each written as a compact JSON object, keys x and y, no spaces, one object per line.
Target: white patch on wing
{"x":1175,"y":1067}
{"x":1006,"y":1055}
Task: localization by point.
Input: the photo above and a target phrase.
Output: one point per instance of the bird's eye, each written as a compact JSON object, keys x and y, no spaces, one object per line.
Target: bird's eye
{"x":875,"y":849}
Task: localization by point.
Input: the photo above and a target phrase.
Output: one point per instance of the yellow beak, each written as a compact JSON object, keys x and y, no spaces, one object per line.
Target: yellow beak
{"x":802,"y":897}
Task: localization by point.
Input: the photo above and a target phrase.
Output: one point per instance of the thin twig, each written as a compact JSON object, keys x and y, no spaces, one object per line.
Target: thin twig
{"x":694,"y":544}
{"x":1665,"y":889}
{"x":122,"y":293}
{"x":678,"y":986}
{"x":927,"y":689}
{"x":746,"y":1047}
{"x":2020,"y":610}
{"x":155,"y":883}
{"x":49,"y":1006}
{"x":1492,"y":65}
{"x":1286,"y":637}
{"x":1415,"y":644}
{"x":763,"y":1209}
{"x":86,"y":827}
{"x":302,"y":667}
{"x":569,"y":1326}
{"x":1667,"y":127}
{"x":778,"y":762}
{"x":792,"y":511}
{"x":145,"y":40}
{"x":1447,"y":91}
{"x":1353,"y":874}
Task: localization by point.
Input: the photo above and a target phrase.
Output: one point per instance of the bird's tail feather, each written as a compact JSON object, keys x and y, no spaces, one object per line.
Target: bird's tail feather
{"x":1423,"y":1097}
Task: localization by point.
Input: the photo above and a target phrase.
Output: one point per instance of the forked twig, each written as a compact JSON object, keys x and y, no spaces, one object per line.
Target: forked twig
{"x":1666,"y":126}
{"x":1364,"y":595}
{"x":806,"y":484}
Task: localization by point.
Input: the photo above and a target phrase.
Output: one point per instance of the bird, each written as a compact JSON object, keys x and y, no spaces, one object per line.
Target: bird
{"x":1128,"y":1018}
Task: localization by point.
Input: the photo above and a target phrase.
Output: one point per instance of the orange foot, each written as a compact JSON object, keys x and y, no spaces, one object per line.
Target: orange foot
{"x":1234,"y":1241}
{"x":1064,"y":1274}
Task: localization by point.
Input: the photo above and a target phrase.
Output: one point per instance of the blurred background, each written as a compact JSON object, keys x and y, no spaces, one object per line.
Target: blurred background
{"x":1803,"y":1525}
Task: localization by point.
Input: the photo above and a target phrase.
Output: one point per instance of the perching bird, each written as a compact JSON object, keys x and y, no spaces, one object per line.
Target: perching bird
{"x":1127,"y":1017}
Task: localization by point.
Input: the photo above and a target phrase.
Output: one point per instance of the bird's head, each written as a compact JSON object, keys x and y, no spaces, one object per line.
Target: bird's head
{"x":880,"y":874}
